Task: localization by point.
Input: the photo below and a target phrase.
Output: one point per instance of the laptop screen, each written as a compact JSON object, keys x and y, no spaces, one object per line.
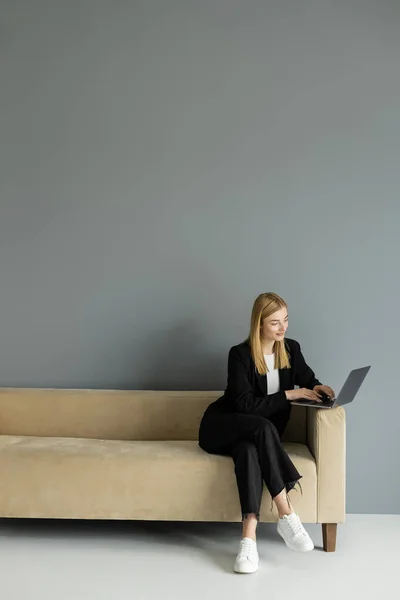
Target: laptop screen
{"x":352,"y":385}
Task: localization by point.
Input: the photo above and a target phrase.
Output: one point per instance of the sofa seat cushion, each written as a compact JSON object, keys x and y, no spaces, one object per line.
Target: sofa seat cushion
{"x":81,"y":478}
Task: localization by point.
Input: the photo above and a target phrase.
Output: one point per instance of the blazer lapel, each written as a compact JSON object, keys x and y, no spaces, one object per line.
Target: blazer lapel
{"x":284,"y":381}
{"x":262,"y":383}
{"x":261,"y":380}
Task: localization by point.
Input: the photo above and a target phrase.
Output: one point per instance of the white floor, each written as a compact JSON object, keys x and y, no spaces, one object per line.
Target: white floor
{"x":74,"y":560}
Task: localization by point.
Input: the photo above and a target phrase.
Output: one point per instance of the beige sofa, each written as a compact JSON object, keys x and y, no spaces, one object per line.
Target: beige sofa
{"x":113,"y":454}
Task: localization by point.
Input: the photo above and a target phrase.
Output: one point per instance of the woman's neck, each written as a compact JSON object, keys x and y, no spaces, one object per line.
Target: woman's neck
{"x":268,"y":348}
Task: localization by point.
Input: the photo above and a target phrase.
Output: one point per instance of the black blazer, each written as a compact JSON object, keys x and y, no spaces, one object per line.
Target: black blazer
{"x":247,"y":391}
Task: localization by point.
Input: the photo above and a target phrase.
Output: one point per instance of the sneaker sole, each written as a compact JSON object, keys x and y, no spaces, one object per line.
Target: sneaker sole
{"x":294,"y":547}
{"x":246,"y":570}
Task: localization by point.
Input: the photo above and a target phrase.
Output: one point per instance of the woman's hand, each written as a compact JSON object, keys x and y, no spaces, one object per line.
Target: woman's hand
{"x":324,"y":389}
{"x":303,"y":393}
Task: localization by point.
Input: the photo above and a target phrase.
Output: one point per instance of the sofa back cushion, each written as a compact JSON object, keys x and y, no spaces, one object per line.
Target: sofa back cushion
{"x":115,"y":414}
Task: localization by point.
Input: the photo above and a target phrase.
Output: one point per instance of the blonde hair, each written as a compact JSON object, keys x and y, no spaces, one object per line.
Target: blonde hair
{"x":264,"y":306}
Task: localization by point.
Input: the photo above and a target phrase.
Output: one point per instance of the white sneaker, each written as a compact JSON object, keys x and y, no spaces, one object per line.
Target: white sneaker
{"x":294,"y":534}
{"x":247,"y":560}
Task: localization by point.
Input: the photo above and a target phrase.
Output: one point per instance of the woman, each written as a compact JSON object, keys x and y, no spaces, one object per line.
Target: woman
{"x":248,"y":421}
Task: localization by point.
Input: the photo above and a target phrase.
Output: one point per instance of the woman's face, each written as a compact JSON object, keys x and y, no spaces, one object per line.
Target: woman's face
{"x":273,"y":328}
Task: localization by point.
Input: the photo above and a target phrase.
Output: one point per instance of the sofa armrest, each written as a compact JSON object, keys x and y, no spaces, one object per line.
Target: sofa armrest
{"x":326,"y":439}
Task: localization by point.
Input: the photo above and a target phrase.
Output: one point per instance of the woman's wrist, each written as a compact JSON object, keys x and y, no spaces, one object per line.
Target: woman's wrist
{"x":288,"y":394}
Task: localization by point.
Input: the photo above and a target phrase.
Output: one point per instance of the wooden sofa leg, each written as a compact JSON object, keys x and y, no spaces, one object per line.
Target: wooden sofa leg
{"x":329,"y":536}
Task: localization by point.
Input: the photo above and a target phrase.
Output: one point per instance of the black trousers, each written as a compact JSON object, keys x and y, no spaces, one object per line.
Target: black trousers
{"x":254,"y":443}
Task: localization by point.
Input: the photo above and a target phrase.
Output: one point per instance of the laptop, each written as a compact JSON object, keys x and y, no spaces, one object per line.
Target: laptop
{"x":346,"y":394}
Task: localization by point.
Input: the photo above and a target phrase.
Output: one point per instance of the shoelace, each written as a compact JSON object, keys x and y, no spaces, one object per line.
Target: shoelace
{"x":246,"y":548}
{"x":296,"y":526}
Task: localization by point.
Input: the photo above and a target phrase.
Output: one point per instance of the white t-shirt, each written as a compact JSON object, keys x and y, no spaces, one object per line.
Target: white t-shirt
{"x":273,"y":384}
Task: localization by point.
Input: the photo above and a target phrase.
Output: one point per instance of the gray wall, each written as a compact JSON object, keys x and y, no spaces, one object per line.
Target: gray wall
{"x":164,"y":162}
